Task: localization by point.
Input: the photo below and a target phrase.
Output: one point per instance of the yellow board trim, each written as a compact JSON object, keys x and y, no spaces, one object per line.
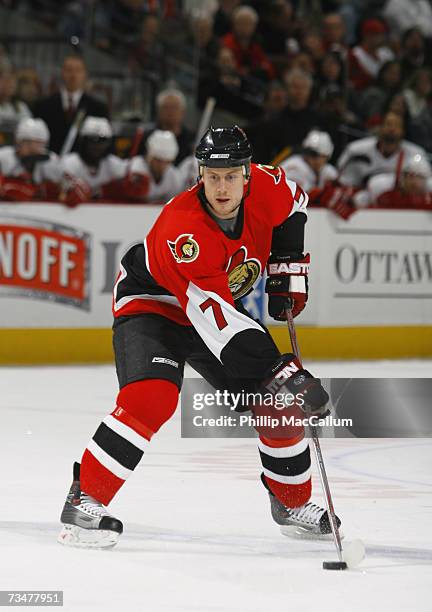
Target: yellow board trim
{"x":61,"y":346}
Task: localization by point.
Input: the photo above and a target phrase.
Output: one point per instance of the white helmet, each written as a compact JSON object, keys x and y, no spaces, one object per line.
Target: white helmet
{"x":96,"y":126}
{"x":163,"y":145}
{"x":417,"y":164}
{"x":320,"y":142}
{"x":32,"y":129}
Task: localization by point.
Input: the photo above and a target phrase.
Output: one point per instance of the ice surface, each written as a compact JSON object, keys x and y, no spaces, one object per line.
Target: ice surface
{"x":198,"y":533}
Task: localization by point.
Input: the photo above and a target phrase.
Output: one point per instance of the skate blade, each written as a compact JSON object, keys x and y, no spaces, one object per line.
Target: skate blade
{"x":300,"y":533}
{"x":72,"y":535}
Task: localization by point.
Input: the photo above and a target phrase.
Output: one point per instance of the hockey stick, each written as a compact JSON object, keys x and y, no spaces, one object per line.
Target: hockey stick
{"x":73,"y":133}
{"x":137,"y":140}
{"x":341,"y":564}
{"x":205,"y":119}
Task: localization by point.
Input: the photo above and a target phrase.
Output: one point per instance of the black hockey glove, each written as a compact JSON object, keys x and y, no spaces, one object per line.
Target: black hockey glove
{"x":287,"y":280}
{"x":288,"y":374}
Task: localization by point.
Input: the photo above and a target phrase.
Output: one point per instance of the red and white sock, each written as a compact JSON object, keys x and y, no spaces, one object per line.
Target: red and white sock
{"x":287,"y":469}
{"x":123,"y":436}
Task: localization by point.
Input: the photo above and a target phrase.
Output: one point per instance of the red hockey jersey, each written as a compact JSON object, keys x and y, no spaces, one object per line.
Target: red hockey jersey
{"x":191,"y":271}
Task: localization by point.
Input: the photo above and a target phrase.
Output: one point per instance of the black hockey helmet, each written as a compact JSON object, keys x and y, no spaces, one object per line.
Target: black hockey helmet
{"x":225,"y":147}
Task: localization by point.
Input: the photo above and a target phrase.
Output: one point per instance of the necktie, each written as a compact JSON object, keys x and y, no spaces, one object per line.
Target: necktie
{"x":70,"y":111}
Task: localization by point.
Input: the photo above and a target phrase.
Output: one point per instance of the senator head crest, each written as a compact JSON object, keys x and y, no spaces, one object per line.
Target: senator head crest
{"x":184,"y":248}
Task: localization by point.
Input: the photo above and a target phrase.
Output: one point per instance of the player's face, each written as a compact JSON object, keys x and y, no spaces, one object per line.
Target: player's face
{"x":224,"y":190}
{"x":74,"y":74}
{"x":30,"y":147}
{"x":317,"y":162}
{"x":158,"y":167}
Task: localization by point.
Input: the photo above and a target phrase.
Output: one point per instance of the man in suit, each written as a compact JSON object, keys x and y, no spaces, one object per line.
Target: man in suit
{"x":60,"y":110}
{"x":170,"y":114}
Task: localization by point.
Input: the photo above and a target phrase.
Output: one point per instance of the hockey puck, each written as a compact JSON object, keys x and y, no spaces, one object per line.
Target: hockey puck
{"x":335,"y":565}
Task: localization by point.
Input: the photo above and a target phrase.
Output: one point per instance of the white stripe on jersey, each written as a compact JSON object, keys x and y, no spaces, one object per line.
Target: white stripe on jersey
{"x":122,"y":276}
{"x":204,"y":322}
{"x":107,"y":461}
{"x":126,"y":432}
{"x":290,"y":480}
{"x":301,"y":204}
{"x":167,"y":299}
{"x":146,"y":255}
{"x":286,"y":451}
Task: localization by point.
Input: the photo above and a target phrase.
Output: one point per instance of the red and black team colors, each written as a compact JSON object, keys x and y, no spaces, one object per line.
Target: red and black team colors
{"x":178,"y":299}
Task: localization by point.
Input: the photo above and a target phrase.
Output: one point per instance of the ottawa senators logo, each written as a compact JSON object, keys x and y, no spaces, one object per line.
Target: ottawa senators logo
{"x":273,"y":171}
{"x":184,"y":248}
{"x":242,"y":273}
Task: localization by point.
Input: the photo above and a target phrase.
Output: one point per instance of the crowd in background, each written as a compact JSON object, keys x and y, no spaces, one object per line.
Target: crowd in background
{"x":337,"y":93}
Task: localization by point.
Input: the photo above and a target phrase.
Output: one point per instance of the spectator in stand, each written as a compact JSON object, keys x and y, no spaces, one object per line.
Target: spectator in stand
{"x":334,"y":33}
{"x":310,"y":168}
{"x":276,"y":28}
{"x":11,"y":109}
{"x":147,"y":53}
{"x":411,"y":188}
{"x":373,"y":155}
{"x":223,"y":16}
{"x":274,"y":140}
{"x":59,"y":111}
{"x":251,"y":60}
{"x":304,"y":62}
{"x":365,"y":59}
{"x":170,"y":113}
{"x":312,"y":44}
{"x":117,"y":23}
{"x":417,"y":93}
{"x":412,"y":52}
{"x":93,"y":173}
{"x":164,"y":179}
{"x":371,"y":102}
{"x":330,"y":72}
{"x":404,"y":14}
{"x":228,"y":87}
{"x":275,"y":101}
{"x":29,"y":87}
{"x":342,"y":125}
{"x":28,"y":171}
{"x":203,"y":42}
{"x":397,"y":103}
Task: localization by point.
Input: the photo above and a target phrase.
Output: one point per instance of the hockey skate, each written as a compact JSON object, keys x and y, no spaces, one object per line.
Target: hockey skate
{"x":86,"y":522}
{"x":307,"y":521}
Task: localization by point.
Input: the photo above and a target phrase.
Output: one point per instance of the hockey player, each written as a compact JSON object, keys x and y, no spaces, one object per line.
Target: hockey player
{"x":319,"y":178}
{"x":374,"y":155}
{"x":178,"y":299}
{"x":164,"y":179}
{"x":410,"y":189}
{"x":311,"y":168}
{"x":28,"y":171}
{"x":94,"y":173}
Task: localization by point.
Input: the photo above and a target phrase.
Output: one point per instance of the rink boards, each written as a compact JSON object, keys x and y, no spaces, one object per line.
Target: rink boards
{"x":370,"y":282}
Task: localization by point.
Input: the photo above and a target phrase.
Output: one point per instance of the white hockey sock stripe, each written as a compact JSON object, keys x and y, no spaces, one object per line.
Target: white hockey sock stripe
{"x":107,"y":461}
{"x":286,"y":451}
{"x":126,"y":432}
{"x":291,"y":480}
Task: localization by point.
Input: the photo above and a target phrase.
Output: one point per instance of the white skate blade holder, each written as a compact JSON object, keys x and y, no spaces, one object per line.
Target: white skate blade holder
{"x":72,"y":535}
